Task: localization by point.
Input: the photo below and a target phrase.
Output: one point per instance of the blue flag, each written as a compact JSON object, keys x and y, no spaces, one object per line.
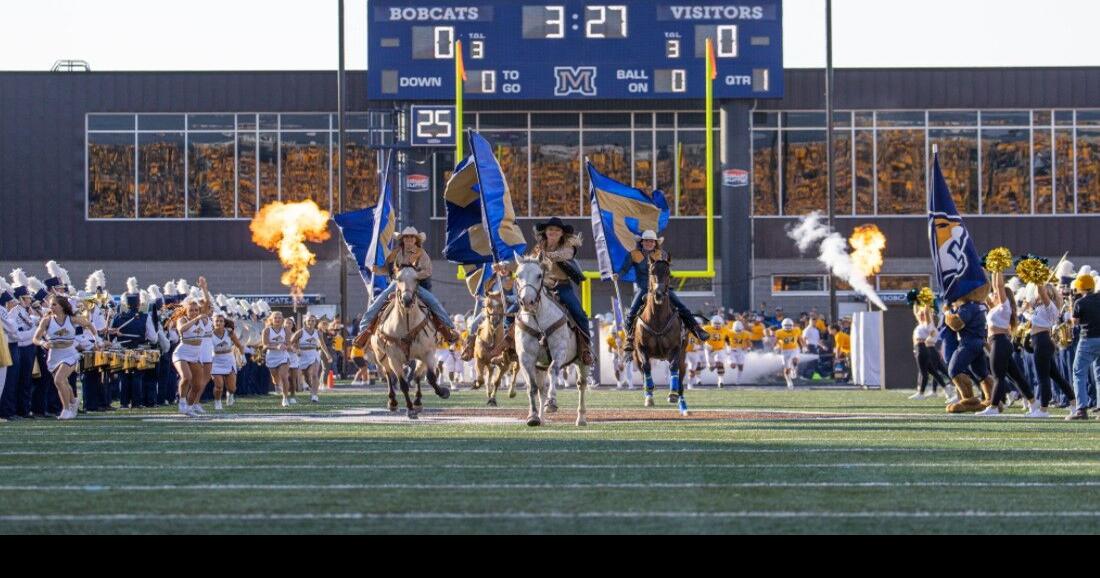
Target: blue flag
{"x":368,"y":234}
{"x":620,"y":214}
{"x":954,"y":257}
{"x":481,"y":223}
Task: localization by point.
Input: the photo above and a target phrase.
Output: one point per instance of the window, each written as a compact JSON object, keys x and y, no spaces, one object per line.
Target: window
{"x":1088,"y":170}
{"x":900,"y":169}
{"x":903,"y":282}
{"x":805,"y":179}
{"x":1065,"y":184}
{"x":609,"y":151}
{"x":1042,"y":162}
{"x":959,"y":163}
{"x":361,"y":179}
{"x":789,"y":284}
{"x":1006,"y":172}
{"x":210,"y":168}
{"x":693,"y":173}
{"x":511,"y":151}
{"x":555,"y":173}
{"x":865,"y":172}
{"x":221,"y":166}
{"x":111,"y":175}
{"x":765,"y":172}
{"x":161,"y":193}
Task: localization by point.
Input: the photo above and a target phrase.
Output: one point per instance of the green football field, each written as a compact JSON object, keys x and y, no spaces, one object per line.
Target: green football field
{"x":760,"y":460}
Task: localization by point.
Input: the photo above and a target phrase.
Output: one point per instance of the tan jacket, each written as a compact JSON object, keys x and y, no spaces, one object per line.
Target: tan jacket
{"x":418,"y":259}
{"x":566,"y":251}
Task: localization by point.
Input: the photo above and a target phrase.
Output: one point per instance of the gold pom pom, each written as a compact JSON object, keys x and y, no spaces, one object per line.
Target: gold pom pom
{"x":998,"y":260}
{"x":926,"y":298}
{"x":1033,"y":271}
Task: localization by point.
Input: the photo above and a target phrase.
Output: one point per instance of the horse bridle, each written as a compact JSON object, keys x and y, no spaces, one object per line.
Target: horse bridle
{"x":405,"y":343}
{"x":668,"y":324}
{"x":540,"y":335}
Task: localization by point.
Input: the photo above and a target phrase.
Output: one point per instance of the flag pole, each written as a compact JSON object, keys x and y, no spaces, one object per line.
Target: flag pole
{"x":460,"y":75}
{"x":596,"y":206}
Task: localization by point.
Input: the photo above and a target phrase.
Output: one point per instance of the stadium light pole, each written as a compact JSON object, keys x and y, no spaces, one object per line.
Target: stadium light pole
{"x":831,"y":201}
{"x":340,"y":88}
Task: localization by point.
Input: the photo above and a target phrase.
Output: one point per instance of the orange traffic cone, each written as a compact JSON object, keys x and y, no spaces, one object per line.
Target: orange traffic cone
{"x":331,"y":381}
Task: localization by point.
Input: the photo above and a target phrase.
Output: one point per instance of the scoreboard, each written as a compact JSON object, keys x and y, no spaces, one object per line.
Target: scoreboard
{"x":549,"y":49}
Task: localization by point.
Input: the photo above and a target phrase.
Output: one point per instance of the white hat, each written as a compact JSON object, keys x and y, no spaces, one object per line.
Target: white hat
{"x":412,"y":232}
{"x":788,"y":323}
{"x":650,"y":235}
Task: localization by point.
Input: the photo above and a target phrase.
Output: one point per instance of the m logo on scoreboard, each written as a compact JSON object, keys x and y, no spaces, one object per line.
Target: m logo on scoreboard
{"x":578,"y":80}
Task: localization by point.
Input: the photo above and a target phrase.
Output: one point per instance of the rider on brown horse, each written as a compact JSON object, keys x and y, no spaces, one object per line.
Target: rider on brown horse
{"x":409,"y":252}
{"x":558,"y":243}
{"x":649,"y":249}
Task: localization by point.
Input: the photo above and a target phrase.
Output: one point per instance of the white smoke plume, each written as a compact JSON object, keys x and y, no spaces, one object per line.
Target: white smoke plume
{"x":833,"y":252}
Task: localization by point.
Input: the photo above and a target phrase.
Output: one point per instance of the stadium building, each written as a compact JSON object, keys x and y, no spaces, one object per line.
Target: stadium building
{"x":156,"y":174}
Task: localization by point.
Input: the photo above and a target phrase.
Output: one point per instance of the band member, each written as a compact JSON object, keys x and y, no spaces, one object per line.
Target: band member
{"x":224,"y":369}
{"x":189,"y":324}
{"x":310,"y":346}
{"x":133,"y":330}
{"x":275,"y":342}
{"x":410,"y":253}
{"x":558,"y":244}
{"x":57,"y":334}
{"x":17,"y":395}
{"x":9,"y":348}
{"x":740,"y":342}
{"x":788,"y":340}
{"x":649,"y":249}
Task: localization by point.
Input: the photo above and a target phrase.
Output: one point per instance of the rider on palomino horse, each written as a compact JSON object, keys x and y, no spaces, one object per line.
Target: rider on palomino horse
{"x":498,"y":286}
{"x":649,"y":249}
{"x":558,"y":243}
{"x":409,"y":252}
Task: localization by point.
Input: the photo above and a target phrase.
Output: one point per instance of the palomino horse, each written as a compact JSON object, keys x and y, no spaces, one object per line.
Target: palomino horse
{"x":490,"y":337}
{"x":544,"y":340}
{"x":404,"y":343}
{"x":659,"y":335}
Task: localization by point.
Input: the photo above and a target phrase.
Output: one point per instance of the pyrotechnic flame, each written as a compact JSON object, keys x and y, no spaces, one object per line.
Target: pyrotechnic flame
{"x":832,"y":251}
{"x":867,"y":243}
{"x":285,"y":228}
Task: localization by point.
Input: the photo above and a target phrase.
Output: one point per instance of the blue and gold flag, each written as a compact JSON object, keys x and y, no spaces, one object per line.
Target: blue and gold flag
{"x":481,"y":223}
{"x":957,"y":264}
{"x":359,"y":231}
{"x":620,"y":213}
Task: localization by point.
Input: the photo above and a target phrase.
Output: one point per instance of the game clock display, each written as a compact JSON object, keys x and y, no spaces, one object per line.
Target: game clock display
{"x":519,"y":50}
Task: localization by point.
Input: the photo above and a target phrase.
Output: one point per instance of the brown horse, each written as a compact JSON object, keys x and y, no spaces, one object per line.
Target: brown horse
{"x":493,"y":365}
{"x":660,"y":335}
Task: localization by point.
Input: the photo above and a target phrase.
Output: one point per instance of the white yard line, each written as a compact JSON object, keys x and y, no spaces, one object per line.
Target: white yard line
{"x":539,"y":486}
{"x":535,"y":452}
{"x":595,"y":515}
{"x":316,"y":466}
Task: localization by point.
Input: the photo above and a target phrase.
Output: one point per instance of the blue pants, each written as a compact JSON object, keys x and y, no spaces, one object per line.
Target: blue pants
{"x":970,"y":355}
{"x":19,"y":401}
{"x":639,"y":301}
{"x":424,"y":295}
{"x":93,"y":391}
{"x":132,"y":393}
{"x":39,"y":399}
{"x":568,"y":297}
{"x":15,"y":372}
{"x":1088,"y":352}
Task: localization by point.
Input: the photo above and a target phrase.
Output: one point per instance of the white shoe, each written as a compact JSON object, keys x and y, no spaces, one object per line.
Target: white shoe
{"x":286,"y":403}
{"x":314,"y":399}
{"x":917,"y":395}
{"x":230,"y":399}
{"x":293,"y":401}
{"x":193,"y":411}
{"x":1037,"y":412}
{"x":184,"y":408}
{"x":218,"y":405}
{"x":991,"y":411}
{"x":951,"y":400}
{"x":1072,"y":407}
{"x":197,"y":409}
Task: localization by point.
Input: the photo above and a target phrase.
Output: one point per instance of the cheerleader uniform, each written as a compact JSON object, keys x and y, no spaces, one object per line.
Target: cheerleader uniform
{"x":308,"y":345}
{"x":224,"y":362}
{"x":1004,"y":364}
{"x":206,"y":351}
{"x":273,"y":357}
{"x":190,"y":346}
{"x":62,"y":339}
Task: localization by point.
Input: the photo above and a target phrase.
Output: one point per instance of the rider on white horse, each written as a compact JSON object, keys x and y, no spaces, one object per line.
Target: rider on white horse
{"x":410,"y":253}
{"x":649,"y":249}
{"x":558,"y":243}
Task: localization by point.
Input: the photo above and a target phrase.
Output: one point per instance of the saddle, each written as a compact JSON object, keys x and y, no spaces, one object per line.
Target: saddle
{"x":405,"y":343}
{"x":566,"y":320}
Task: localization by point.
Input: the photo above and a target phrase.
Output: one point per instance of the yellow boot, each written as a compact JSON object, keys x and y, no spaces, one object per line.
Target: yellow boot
{"x":967,"y":402}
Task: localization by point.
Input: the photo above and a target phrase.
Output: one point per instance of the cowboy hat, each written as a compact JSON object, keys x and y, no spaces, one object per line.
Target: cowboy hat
{"x":649,"y":236}
{"x":555,"y":222}
{"x":412,"y":232}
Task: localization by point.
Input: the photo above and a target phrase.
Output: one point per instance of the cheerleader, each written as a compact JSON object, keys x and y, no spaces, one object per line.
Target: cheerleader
{"x":310,"y":345}
{"x":57,"y":334}
{"x":206,"y":350}
{"x":924,"y":355}
{"x":1046,"y":311}
{"x":1001,"y":319}
{"x":189,"y":325}
{"x":224,"y":368}
{"x":275,"y":357}
{"x":295,"y":369}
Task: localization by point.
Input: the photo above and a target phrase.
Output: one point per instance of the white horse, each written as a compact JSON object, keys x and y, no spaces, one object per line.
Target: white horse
{"x":544,"y":341}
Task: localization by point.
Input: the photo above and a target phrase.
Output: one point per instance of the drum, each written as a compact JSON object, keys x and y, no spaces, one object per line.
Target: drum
{"x":132,"y":357}
{"x":102,"y":358}
{"x":148,"y":359}
{"x":116,"y":360}
{"x":87,"y":361}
